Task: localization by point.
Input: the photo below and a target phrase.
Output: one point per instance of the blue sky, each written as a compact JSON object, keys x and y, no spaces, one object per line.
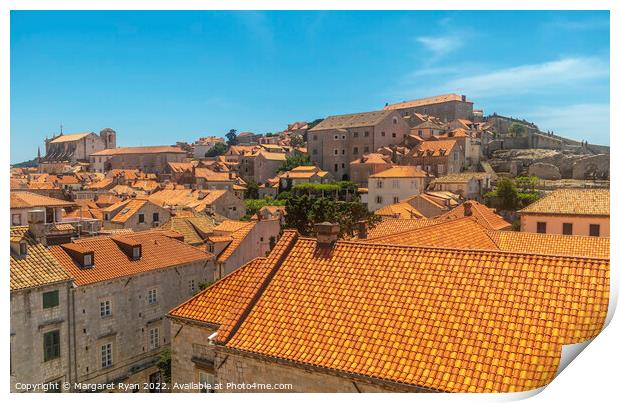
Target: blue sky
{"x":158,"y":77}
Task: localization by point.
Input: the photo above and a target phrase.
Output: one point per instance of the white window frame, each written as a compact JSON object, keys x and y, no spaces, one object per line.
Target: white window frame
{"x":105,"y":309}
{"x":152,"y":296}
{"x":106,"y":355}
{"x":154,"y":338}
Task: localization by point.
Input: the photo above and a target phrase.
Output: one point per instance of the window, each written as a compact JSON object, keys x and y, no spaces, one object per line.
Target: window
{"x":419,"y":132}
{"x":395,"y":183}
{"x":355,"y":150}
{"x":88,"y":260}
{"x":155,"y":217}
{"x":315,"y":138}
{"x":154,"y":338}
{"x":595,"y":230}
{"x":314,"y":152}
{"x":382,"y":134}
{"x":394,"y":121}
{"x":366,"y":134}
{"x":23,"y":249}
{"x":356,"y":134}
{"x":206,"y":381}
{"x":152,"y":296}
{"x":379,"y":184}
{"x":336,"y":137}
{"x":343,"y":165}
{"x":50,"y":299}
{"x":395,"y":199}
{"x":366,"y":149}
{"x":16,"y":219}
{"x":379,"y":199}
{"x":136,"y":252}
{"x":342,"y":152}
{"x":336,"y":167}
{"x":335,"y":152}
{"x":541,"y":227}
{"x":105,"y":309}
{"x":567,"y":228}
{"x":394,"y":135}
{"x":51,"y":345}
{"x":106,"y":355}
{"x":140,"y":218}
{"x":192,"y":286}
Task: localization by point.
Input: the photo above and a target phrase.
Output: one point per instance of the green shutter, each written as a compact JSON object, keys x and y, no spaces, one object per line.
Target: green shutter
{"x":51,"y":345}
{"x":50,"y":299}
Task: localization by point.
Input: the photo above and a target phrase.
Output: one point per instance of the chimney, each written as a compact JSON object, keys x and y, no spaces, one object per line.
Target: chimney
{"x":467,"y":208}
{"x":326,"y":233}
{"x":362,"y":229}
{"x":463,"y":98}
{"x":36,"y":225}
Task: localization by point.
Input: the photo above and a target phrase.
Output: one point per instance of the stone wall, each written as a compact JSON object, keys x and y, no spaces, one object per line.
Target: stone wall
{"x":589,"y":166}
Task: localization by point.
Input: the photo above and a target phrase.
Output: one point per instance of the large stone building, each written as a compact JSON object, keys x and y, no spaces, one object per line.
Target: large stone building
{"x":569,"y":212}
{"x":40,"y":309}
{"x":123,"y":287}
{"x":78,"y":146}
{"x":222,"y":202}
{"x":134,"y":214}
{"x":438,"y":158}
{"x":339,"y":316}
{"x":395,"y":185}
{"x":445,"y":107}
{"x":152,"y":159}
{"x":338,"y":140}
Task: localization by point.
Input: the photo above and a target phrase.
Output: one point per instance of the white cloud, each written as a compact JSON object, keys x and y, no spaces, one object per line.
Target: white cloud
{"x":588,"y":121}
{"x":531,"y":78}
{"x":441,"y":45}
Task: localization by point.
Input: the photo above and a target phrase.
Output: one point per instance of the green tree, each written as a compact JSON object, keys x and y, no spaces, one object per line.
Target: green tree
{"x":294,"y":160}
{"x":217,"y":149}
{"x":507,"y":194}
{"x":253,"y":205}
{"x":251,"y":191}
{"x":232,"y":137}
{"x":314,"y":123}
{"x":164,"y":365}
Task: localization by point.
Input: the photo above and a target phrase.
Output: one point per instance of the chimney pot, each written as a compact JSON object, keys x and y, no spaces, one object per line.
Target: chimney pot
{"x":362,"y":229}
{"x":467,"y":208}
{"x":326,"y":233}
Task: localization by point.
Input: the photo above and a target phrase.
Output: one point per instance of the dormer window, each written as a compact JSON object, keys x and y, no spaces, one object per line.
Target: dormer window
{"x":137,"y":252}
{"x":88,"y":260}
{"x":23,"y":249}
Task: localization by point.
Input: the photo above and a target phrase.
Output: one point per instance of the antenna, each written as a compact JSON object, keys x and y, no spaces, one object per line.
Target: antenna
{"x":61,"y":129}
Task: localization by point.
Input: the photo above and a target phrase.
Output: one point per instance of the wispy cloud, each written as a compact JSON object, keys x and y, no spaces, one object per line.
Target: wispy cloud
{"x":530,"y":78}
{"x":580,"y":25}
{"x":578,"y":121}
{"x":440,"y":45}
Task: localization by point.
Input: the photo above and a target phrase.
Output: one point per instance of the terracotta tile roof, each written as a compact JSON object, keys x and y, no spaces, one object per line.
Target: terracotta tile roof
{"x":139,"y":150}
{"x":37,"y":268}
{"x":551,"y":244}
{"x":101,"y":184}
{"x":147,"y":185}
{"x":485,"y":215}
{"x":401,"y":171}
{"x":211,"y":175}
{"x":20,"y":199}
{"x":441,"y":319}
{"x":158,"y":252}
{"x":41,"y":185}
{"x":197,"y":200}
{"x":352,"y":120}
{"x":191,"y":227}
{"x":272,"y":156}
{"x":180,"y":166}
{"x":126,"y":209}
{"x":238,"y":231}
{"x":213,"y":304}
{"x":69,"y":137}
{"x":126,"y":190}
{"x":388,"y":226}
{"x":572,"y":202}
{"x":399,"y":210}
{"x":130,"y":174}
{"x":435,"y":147}
{"x":425,"y":101}
{"x":462,"y":177}
{"x":106,"y":199}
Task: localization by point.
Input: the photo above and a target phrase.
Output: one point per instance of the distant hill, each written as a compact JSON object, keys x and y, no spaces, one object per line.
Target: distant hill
{"x":26,"y":164}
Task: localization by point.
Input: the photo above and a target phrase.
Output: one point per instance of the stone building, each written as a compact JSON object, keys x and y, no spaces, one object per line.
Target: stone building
{"x":134,"y":214}
{"x":368,"y":165}
{"x":395,"y":327}
{"x":438,"y":158}
{"x":569,"y":212}
{"x":21,"y":203}
{"x":40,"y":349}
{"x":222,"y":202}
{"x":124,"y":286}
{"x":78,"y":146}
{"x":147,"y":159}
{"x":395,"y":185}
{"x":469,"y":185}
{"x":267,"y":164}
{"x":445,"y":107}
{"x":298,"y":175}
{"x":204,"y":144}
{"x":338,"y":140}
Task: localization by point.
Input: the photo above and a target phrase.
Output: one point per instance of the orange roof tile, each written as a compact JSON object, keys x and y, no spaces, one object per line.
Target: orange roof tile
{"x":237,"y":230}
{"x":388,"y":226}
{"x":572,"y":202}
{"x":213,"y":304}
{"x":485,"y":215}
{"x":435,"y":147}
{"x":139,"y":150}
{"x":158,"y":252}
{"x":425,"y":101}
{"x":21,"y":199}
{"x":399,"y":210}
{"x":401,"y":171}
{"x":69,"y":137}
{"x":37,"y":268}
{"x":436,"y":318}
{"x":128,"y":209}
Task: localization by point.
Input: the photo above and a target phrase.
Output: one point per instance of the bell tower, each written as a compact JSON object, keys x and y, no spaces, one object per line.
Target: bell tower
{"x":109,"y":137}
